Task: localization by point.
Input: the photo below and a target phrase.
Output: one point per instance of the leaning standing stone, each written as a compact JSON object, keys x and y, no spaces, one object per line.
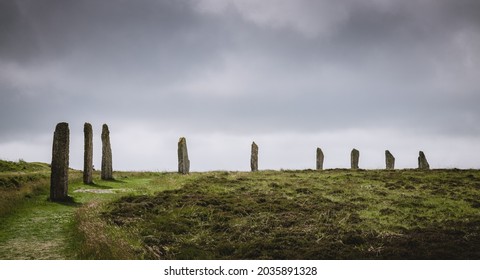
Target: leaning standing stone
{"x":254,"y":157}
{"x":422,"y":161}
{"x":389,"y":160}
{"x":107,"y":170}
{"x":354,"y":156}
{"x":320,"y":158}
{"x":183,"y":161}
{"x":88,"y":154}
{"x":59,"y":166}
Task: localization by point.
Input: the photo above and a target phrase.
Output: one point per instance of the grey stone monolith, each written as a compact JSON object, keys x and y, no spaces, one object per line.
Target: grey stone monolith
{"x":107,"y":170}
{"x":354,"y":157}
{"x":254,"y":158}
{"x":422,"y":161}
{"x":183,"y":161}
{"x":320,"y":158}
{"x":389,"y":160}
{"x":59,"y":166}
{"x":88,"y":154}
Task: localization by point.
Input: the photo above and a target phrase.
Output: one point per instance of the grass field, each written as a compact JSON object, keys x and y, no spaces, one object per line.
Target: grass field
{"x":334,"y":214}
{"x":331,"y":214}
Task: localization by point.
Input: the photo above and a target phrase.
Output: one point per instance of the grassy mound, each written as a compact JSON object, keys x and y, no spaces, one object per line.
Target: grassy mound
{"x":22,"y":166}
{"x":19,"y":180}
{"x":334,"y":214}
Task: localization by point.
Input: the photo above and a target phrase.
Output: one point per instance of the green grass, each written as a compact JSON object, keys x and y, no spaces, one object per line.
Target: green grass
{"x":32,"y":227}
{"x":22,"y":166}
{"x":332,"y":214}
{"x":94,"y":237}
{"x":20,"y":180}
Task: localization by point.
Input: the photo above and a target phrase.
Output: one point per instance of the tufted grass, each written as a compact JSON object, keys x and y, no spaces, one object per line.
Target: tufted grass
{"x":333,"y":214}
{"x":19,"y":181}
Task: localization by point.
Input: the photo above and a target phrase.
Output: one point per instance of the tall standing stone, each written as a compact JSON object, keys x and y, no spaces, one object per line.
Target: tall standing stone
{"x":88,"y":154}
{"x":389,"y":160}
{"x":320,"y":158}
{"x":59,"y":166}
{"x":183,"y":161}
{"x":254,"y":157}
{"x":422,"y":161}
{"x":354,"y":157}
{"x":107,"y":170}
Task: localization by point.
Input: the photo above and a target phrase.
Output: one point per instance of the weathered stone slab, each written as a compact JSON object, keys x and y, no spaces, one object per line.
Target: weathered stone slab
{"x":107,"y":170}
{"x":389,"y":160}
{"x":320,"y":158}
{"x":59,"y":166}
{"x":422,"y":161}
{"x":354,"y":157}
{"x":88,"y":154}
{"x":254,"y":157}
{"x":183,"y":161}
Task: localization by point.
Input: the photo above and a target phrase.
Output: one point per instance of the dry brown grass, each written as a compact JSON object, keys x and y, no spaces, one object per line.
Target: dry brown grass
{"x":98,"y":240}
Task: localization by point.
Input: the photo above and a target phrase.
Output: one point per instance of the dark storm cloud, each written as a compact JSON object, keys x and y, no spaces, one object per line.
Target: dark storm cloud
{"x":123,"y":37}
{"x":86,"y":59}
{"x":241,"y":66}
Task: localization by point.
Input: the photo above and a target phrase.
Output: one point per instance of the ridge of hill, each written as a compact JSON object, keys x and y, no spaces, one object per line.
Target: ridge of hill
{"x":23,"y":166}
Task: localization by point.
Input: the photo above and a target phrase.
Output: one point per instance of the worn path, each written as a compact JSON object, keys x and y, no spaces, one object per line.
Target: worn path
{"x":40,"y":229}
{"x":37,"y":230}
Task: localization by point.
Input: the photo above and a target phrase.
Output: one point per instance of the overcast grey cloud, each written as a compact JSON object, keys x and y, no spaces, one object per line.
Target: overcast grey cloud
{"x":290,"y":74}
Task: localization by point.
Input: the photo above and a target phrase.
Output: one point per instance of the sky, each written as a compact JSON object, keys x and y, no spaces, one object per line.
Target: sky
{"x":291,"y":75}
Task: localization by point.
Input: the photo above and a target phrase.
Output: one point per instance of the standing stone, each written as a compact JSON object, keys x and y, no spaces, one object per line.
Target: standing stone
{"x":254,"y":157}
{"x":59,"y":166}
{"x":107,"y":170}
{"x":88,"y":154}
{"x":320,"y":158}
{"x":183,"y":161}
{"x":389,"y":160}
{"x":422,"y":161}
{"x":354,"y":156}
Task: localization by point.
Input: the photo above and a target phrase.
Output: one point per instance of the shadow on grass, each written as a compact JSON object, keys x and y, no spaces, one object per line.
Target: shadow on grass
{"x":68,"y":201}
{"x":102,"y":186}
{"x":114,"y":181}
